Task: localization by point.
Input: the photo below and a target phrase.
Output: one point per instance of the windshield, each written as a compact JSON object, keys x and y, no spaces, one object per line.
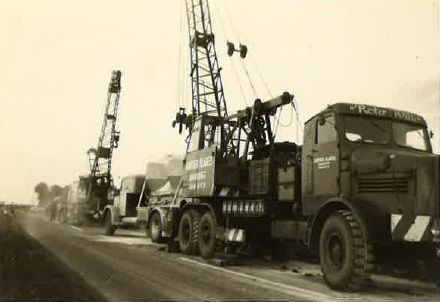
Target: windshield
{"x":411,"y":136}
{"x":380,"y":131}
{"x":366,"y":130}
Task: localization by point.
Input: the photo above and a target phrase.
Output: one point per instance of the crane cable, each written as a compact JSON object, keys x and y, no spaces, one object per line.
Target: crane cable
{"x":243,"y":65}
{"x":234,"y":69}
{"x":238,"y":81}
{"x":277,"y":119}
{"x":237,"y":36}
{"x":255,"y":66}
{"x":260,"y":74}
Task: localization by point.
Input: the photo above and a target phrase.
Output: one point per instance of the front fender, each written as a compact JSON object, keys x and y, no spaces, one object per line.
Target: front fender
{"x":358,"y":212}
{"x":373,"y":224}
{"x":114,"y":214}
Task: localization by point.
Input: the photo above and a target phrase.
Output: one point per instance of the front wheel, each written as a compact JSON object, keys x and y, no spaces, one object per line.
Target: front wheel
{"x":109,"y":229}
{"x":154,"y":230}
{"x":344,"y":253}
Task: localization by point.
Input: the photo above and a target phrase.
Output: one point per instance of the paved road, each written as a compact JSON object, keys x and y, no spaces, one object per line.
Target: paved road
{"x":128,"y":266}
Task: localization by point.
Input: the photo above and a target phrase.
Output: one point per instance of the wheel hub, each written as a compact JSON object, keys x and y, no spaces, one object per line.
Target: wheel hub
{"x":336,"y":250}
{"x":185,"y":231}
{"x":155,"y":227}
{"x":206,"y":233}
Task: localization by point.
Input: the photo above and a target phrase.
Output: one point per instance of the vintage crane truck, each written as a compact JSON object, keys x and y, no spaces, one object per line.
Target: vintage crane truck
{"x":99,"y":182}
{"x":364,"y":178}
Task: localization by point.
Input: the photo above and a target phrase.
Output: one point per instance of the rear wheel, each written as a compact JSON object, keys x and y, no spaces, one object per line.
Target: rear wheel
{"x":109,"y":229}
{"x":344,"y":253}
{"x":155,"y":228}
{"x":207,"y":240}
{"x":189,"y":232}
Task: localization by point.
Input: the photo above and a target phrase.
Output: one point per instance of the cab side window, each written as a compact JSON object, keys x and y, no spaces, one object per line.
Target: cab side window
{"x":326,"y":133}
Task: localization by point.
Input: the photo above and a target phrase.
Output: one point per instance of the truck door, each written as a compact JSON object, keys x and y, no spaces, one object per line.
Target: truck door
{"x":320,"y":168}
{"x":326,"y":158}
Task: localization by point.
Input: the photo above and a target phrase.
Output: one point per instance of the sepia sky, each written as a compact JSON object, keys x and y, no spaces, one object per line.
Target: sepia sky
{"x":56,"y":58}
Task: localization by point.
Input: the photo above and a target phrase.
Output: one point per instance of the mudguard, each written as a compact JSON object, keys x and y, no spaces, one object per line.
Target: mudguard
{"x":114,"y":213}
{"x":374,"y":225}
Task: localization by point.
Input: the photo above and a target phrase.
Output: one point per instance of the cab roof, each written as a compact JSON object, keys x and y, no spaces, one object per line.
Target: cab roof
{"x":374,"y":111}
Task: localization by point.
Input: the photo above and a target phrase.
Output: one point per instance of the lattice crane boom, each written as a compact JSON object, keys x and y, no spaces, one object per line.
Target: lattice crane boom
{"x":208,"y":96}
{"x":100,"y":159}
{"x":207,"y":87}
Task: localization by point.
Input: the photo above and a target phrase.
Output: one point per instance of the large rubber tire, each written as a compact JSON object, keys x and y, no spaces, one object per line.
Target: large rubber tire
{"x":207,"y":240}
{"x":109,"y":229}
{"x":188,"y":234}
{"x":154,"y":230}
{"x":346,"y":257}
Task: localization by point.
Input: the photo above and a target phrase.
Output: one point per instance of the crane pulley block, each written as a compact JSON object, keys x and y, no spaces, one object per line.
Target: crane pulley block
{"x":202,"y":39}
{"x":115,"y":83}
{"x":243,"y":50}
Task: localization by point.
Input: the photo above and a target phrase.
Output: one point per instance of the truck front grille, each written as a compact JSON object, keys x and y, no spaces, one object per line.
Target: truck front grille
{"x":382,"y":185}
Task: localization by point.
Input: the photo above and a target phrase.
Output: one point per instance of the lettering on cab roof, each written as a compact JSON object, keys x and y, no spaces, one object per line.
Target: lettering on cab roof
{"x":360,"y":109}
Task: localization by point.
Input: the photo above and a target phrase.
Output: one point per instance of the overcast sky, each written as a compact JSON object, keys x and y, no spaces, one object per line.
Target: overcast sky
{"x":56,"y":58}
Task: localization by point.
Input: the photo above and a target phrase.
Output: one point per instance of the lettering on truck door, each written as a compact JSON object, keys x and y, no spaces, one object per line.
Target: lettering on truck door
{"x":325,"y":155}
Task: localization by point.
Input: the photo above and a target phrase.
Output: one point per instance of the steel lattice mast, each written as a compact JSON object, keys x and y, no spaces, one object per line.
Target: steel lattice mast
{"x":208,"y":96}
{"x":207,"y":88}
{"x":101,"y":158}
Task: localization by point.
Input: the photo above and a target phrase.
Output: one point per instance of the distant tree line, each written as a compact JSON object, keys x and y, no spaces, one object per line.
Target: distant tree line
{"x":47,"y":194}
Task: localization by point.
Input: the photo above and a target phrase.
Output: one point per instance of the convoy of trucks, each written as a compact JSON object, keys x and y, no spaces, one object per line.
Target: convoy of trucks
{"x":364,"y":179}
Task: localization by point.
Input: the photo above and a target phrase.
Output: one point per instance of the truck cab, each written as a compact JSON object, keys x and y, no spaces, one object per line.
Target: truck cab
{"x":368,"y":172}
{"x":378,"y":161}
{"x":126,"y":200}
{"x":131,"y":202}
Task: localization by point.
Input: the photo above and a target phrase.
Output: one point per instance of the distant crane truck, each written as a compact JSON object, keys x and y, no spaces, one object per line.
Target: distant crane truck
{"x":99,"y":182}
{"x":364,"y":178}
